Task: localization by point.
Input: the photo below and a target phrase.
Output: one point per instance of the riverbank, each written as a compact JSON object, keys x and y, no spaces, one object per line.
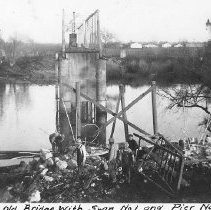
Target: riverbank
{"x":134,"y":71}
{"x":35,"y":70}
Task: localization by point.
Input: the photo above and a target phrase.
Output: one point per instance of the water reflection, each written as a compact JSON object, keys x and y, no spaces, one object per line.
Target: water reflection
{"x":27,"y":116}
{"x":174,"y":123}
{"x":28,"y":112}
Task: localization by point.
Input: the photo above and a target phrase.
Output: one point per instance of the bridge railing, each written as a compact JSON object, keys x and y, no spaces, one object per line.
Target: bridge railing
{"x":163,"y":164}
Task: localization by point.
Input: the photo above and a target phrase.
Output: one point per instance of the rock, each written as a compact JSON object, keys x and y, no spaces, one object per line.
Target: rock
{"x":45,"y":154}
{"x":41,"y":166}
{"x":49,"y":162}
{"x":48,"y":178}
{"x":72,"y":164}
{"x":44,"y":171}
{"x":93,"y":184}
{"x":35,"y":196}
{"x":5,"y":196}
{"x":61,"y":164}
{"x":208,"y":151}
{"x":208,"y":157}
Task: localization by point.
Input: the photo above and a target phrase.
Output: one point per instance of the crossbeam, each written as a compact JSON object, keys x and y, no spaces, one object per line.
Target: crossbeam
{"x":109,"y":111}
{"x":127,"y":108}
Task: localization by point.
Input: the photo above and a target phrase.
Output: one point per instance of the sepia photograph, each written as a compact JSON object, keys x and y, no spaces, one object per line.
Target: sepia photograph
{"x":105,"y":101}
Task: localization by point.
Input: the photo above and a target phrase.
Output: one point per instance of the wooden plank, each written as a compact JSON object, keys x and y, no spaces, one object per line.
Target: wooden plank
{"x":124,"y":115}
{"x":78,"y":110}
{"x":180,"y":174}
{"x":154,"y":108}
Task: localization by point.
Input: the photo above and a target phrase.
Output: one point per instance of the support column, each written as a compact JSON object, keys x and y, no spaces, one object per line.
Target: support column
{"x":78,"y":110}
{"x":101,"y":116}
{"x":154,"y":108}
{"x":57,"y":95}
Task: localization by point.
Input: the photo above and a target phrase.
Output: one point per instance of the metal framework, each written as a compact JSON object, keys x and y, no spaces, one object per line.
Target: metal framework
{"x":163,"y":164}
{"x":88,"y":33}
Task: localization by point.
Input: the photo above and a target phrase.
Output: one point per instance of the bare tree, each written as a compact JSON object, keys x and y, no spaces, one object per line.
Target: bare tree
{"x":107,"y":36}
{"x":188,"y":96}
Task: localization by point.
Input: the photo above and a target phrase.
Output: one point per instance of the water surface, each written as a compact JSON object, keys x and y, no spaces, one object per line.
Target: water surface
{"x":27,"y":116}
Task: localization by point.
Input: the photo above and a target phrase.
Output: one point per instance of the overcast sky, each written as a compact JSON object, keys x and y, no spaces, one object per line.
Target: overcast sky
{"x":136,"y":20}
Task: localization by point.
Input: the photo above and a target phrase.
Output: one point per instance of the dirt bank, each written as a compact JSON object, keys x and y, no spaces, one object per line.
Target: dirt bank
{"x":37,"y":70}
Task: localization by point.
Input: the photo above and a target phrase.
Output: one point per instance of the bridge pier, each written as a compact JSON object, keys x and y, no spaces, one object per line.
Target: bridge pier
{"x":85,"y":67}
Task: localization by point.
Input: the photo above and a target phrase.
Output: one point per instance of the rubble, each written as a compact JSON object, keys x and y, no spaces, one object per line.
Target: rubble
{"x":57,"y":178}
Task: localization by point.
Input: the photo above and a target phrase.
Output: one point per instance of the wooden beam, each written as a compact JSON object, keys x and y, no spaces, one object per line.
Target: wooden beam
{"x":128,"y":106}
{"x":78,"y":110}
{"x":111,"y":112}
{"x":124,"y":115}
{"x":154,"y":108}
{"x":114,"y":123}
{"x":71,"y":129}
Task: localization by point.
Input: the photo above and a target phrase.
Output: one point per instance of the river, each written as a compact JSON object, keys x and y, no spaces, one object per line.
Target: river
{"x":27,"y":116}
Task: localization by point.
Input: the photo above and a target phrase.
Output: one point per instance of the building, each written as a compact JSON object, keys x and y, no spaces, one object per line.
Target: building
{"x":166,"y":45}
{"x":150,"y":45}
{"x":136,"y":45}
{"x":178,"y":45}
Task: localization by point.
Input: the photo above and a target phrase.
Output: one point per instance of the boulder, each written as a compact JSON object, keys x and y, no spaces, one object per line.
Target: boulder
{"x":35,"y":196}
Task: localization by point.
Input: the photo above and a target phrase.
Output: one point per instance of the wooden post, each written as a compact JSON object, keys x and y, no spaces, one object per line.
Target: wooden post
{"x":122,"y":92}
{"x":154,"y":108}
{"x":117,"y":109}
{"x":63,"y":35}
{"x":78,"y":110}
{"x":57,"y":96}
{"x":101,"y":115}
{"x":180,"y":174}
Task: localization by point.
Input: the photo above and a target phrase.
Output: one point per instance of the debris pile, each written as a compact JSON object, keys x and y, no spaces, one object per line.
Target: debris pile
{"x":57,"y":178}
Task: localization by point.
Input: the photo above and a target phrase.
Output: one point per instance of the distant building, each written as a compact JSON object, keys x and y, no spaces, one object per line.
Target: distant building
{"x":178,"y":45}
{"x":136,"y":45}
{"x":166,"y":45}
{"x":150,"y":45}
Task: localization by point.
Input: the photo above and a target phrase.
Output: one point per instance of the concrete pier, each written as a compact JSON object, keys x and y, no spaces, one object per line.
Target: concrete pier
{"x":86,"y":67}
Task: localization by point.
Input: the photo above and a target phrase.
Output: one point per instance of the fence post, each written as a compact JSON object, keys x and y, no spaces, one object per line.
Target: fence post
{"x":78,"y":110}
{"x":154,"y":108}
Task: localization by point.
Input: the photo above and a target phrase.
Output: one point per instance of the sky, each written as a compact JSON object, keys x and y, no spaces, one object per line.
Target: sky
{"x":129,"y":20}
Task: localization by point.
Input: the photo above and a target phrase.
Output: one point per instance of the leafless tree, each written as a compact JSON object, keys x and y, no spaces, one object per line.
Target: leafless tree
{"x":188,"y":96}
{"x":107,"y":36}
